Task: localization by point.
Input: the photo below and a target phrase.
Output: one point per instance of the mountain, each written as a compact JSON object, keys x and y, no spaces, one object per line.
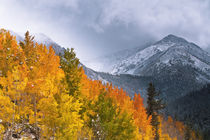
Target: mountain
{"x":176,"y":65}
{"x":106,"y":63}
{"x":167,"y":52}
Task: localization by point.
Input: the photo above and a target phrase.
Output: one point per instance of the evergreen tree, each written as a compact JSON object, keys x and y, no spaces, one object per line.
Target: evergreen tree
{"x":154,"y":105}
{"x":73,"y":72}
{"x":109,"y":122}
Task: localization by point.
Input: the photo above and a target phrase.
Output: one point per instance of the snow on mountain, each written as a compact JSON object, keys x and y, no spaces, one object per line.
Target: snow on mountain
{"x":107,"y":62}
{"x":169,"y":51}
{"x":128,"y":65}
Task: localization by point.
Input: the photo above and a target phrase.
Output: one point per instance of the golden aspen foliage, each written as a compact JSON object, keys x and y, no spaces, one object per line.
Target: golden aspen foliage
{"x":44,"y":96}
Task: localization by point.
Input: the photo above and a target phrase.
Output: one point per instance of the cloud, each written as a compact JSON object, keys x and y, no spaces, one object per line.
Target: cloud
{"x":187,"y":18}
{"x":97,"y":27}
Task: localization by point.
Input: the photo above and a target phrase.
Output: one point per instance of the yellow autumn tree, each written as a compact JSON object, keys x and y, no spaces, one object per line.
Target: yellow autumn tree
{"x":33,"y":98}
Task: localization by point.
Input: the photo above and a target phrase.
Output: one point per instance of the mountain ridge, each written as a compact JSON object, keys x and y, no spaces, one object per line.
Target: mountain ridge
{"x":170,"y":49}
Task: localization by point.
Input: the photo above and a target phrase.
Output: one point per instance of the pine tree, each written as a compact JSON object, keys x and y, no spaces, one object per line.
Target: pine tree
{"x":109,"y":122}
{"x":153,"y":107}
{"x":73,"y":72}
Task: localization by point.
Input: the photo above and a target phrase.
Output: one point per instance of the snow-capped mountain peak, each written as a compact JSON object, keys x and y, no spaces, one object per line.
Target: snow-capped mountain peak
{"x":127,"y":66}
{"x":163,"y":55}
{"x":172,"y":39}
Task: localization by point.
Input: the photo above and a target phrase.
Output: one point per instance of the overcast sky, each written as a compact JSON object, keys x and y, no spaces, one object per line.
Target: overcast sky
{"x":97,"y":27}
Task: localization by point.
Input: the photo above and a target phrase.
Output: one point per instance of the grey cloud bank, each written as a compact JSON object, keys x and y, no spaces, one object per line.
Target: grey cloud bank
{"x":98,"y":27}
